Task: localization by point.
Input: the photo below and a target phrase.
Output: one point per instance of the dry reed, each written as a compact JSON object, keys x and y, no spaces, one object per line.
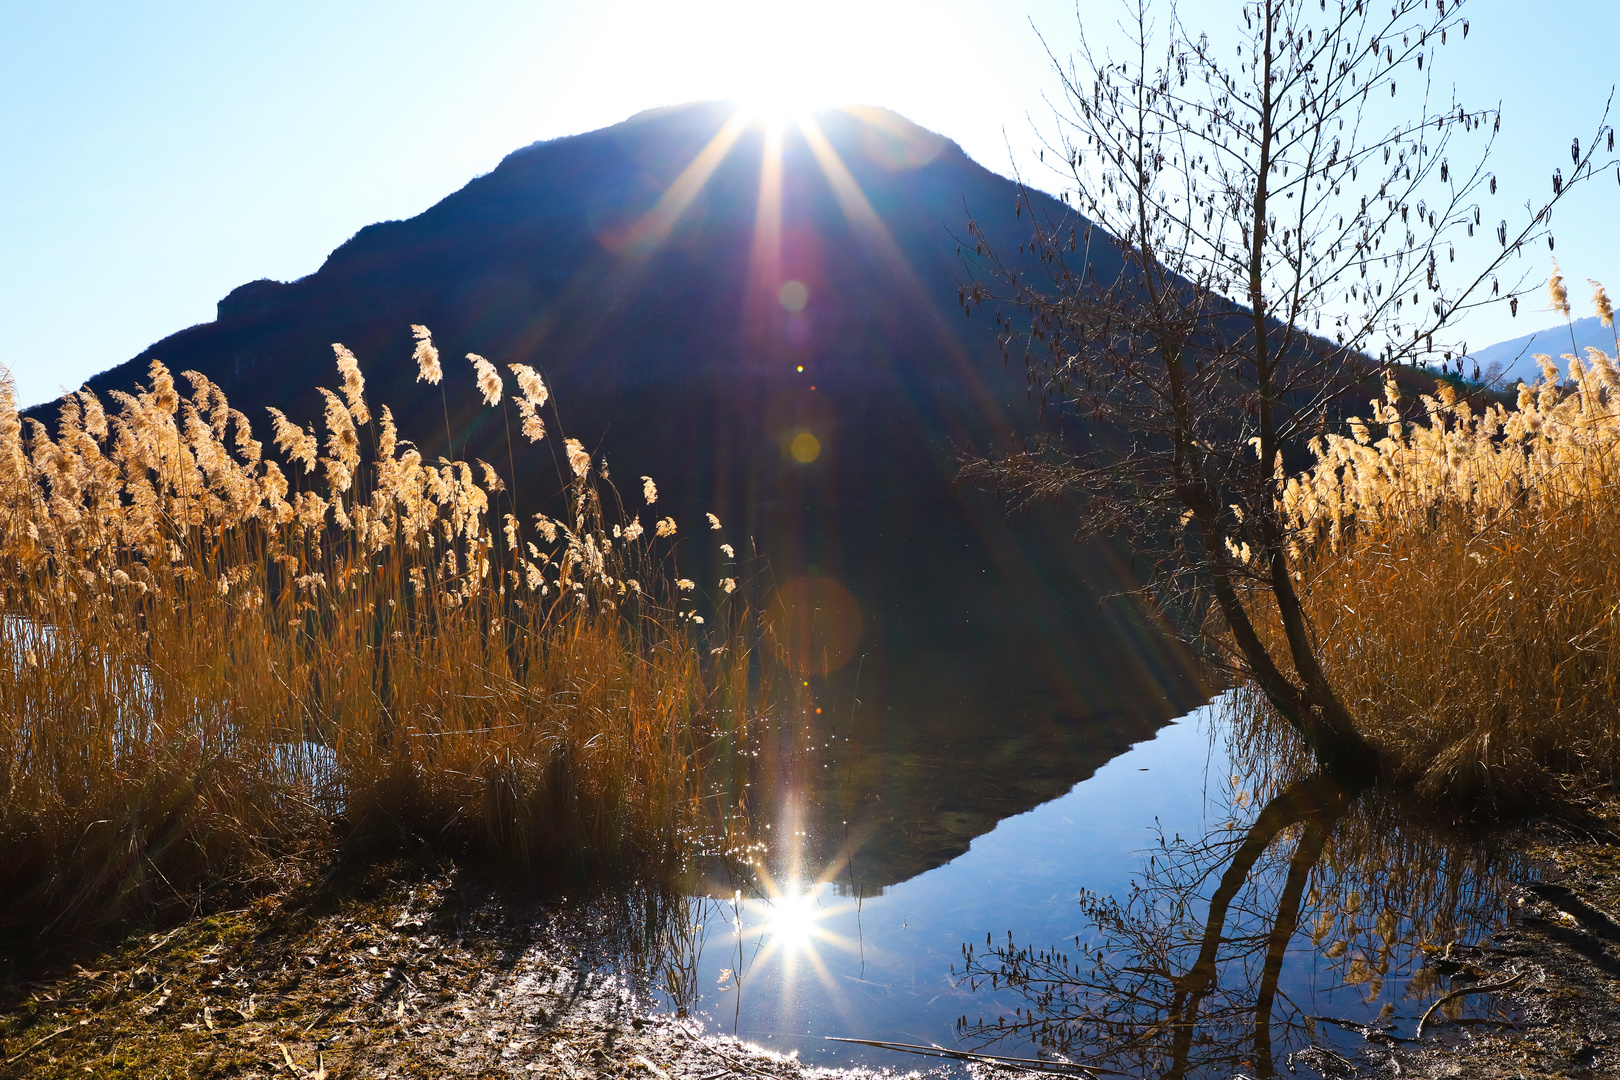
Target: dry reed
{"x":1461,"y":565}
{"x":215,"y":654}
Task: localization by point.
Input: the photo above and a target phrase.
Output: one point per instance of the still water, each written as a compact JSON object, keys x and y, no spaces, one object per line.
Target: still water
{"x":1170,"y":913}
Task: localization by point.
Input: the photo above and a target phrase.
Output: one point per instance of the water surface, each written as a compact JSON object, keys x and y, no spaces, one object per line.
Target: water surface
{"x":1229,"y":925}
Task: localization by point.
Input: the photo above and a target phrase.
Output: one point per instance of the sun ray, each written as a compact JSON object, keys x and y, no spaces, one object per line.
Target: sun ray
{"x":967,"y":382}
{"x":765,"y":258}
{"x":616,"y":267}
{"x":652,"y":229}
{"x":852,"y":200}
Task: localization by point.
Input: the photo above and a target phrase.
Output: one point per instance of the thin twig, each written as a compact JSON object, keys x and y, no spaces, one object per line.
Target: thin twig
{"x":734,"y":1061}
{"x":1482,"y":988}
{"x":37,"y":1043}
{"x":1366,"y":1031}
{"x":152,"y":991}
{"x":1039,"y":1064}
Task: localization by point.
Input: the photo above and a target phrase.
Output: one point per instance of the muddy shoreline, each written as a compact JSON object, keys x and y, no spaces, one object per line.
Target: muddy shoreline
{"x":412,"y":969}
{"x":1561,"y":953}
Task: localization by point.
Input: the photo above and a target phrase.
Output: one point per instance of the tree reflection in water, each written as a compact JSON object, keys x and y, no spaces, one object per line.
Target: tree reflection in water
{"x":1223,"y":951}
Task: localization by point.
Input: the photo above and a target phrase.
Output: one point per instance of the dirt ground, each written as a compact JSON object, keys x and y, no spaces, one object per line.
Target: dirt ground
{"x":409,"y":970}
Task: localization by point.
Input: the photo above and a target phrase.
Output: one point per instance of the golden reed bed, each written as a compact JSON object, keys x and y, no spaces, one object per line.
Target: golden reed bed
{"x":216,"y":651}
{"x":1460,"y":562}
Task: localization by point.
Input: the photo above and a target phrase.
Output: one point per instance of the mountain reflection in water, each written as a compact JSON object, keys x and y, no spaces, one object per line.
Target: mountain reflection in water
{"x":1169,"y":915}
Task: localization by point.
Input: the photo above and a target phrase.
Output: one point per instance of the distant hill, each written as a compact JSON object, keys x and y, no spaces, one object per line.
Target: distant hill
{"x":1508,"y":362}
{"x":691,"y":328}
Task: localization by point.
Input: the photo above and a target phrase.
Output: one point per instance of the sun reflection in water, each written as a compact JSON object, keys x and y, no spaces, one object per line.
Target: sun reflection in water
{"x":786,"y":938}
{"x":792,"y":920}
{"x":795,"y":923}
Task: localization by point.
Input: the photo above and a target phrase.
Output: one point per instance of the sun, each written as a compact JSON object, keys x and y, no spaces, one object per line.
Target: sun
{"x":778,"y":104}
{"x":780,"y":62}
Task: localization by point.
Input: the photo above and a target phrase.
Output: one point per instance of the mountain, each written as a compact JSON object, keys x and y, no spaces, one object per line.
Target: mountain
{"x":701,"y":290}
{"x":1508,"y":362}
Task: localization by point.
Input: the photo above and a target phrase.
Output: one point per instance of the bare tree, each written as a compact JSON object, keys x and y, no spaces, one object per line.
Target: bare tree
{"x":1285,"y":232}
{"x":1184,"y":975}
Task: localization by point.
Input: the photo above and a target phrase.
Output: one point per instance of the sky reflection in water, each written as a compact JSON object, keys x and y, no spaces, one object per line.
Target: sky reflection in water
{"x":815,"y":959}
{"x":879,"y":967}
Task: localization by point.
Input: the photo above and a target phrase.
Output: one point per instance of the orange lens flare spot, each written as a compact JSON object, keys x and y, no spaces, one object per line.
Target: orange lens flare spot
{"x":804,"y":448}
{"x":819,"y":622}
{"x":794,"y":295}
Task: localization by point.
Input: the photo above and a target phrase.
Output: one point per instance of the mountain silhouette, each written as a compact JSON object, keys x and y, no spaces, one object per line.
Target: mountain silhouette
{"x":701,"y":291}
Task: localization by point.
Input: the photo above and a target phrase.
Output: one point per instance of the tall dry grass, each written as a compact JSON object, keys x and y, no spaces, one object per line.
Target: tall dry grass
{"x":1461,"y":565}
{"x":215,"y":651}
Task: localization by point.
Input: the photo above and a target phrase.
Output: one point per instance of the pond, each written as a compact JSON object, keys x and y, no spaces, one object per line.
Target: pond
{"x":1170,"y":911}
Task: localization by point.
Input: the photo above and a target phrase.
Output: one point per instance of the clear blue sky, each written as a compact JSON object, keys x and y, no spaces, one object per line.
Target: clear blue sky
{"x":153,"y":156}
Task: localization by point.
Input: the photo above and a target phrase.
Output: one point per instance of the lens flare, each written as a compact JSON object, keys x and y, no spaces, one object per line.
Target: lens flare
{"x":804,"y":448}
{"x":818,"y":621}
{"x":651,"y":230}
{"x":794,"y":295}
